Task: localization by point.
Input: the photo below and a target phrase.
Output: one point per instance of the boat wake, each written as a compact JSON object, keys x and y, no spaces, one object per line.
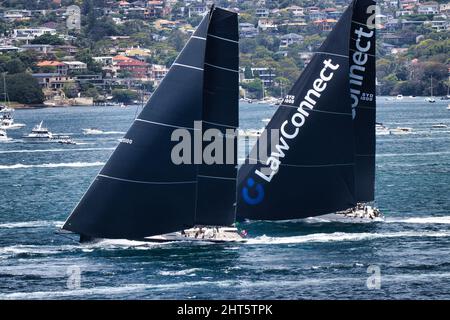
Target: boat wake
{"x":53,"y":150}
{"x":52,"y":165}
{"x":342,"y":236}
{"x":103,"y":133}
{"x":31,"y":224}
{"x":421,"y":220}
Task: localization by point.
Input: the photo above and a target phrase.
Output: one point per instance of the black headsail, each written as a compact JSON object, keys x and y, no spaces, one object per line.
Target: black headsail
{"x":362,"y":91}
{"x":140,"y":191}
{"x":217,"y":181}
{"x":310,"y":170}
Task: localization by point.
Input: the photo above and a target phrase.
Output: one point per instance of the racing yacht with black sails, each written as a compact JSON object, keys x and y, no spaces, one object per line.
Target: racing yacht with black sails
{"x":142,"y":193}
{"x":321,"y":155}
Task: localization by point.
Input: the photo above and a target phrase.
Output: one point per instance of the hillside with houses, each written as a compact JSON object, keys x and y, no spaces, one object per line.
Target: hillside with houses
{"x":69,"y":52}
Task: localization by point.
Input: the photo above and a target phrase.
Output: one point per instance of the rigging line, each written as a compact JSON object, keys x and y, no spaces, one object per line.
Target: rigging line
{"x":222,"y":38}
{"x":187,"y":66}
{"x":215,"y":177}
{"x":370,"y":55}
{"x":197,"y":37}
{"x":165,"y":124}
{"x":219,"y":67}
{"x":147,"y":182}
{"x":219,"y":124}
{"x":331,"y":54}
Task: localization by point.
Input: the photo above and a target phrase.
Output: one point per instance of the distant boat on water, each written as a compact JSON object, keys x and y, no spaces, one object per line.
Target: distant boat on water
{"x":92,"y":131}
{"x":431,"y":99}
{"x":39,"y":132}
{"x":3,"y":136}
{"x":401,"y":130}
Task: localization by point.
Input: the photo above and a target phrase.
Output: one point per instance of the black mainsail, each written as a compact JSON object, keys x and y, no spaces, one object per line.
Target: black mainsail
{"x":362,"y":92}
{"x":310,"y":169}
{"x":140,"y":191}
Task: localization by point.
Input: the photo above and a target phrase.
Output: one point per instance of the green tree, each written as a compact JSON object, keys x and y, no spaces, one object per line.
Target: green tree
{"x":124,"y":95}
{"x":23,"y":88}
{"x":48,"y":39}
{"x":70,"y":90}
{"x":15,"y":66}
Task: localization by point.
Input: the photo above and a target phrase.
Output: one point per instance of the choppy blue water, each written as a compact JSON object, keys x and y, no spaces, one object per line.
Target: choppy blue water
{"x":41,"y":182}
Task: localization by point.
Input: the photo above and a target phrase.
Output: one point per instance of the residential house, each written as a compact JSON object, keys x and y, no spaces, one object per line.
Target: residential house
{"x":158,"y":72}
{"x":16,"y":15}
{"x":75,"y":65}
{"x":428,"y":8}
{"x":104,"y":60}
{"x":266,"y":75}
{"x":296,"y":11}
{"x":325,"y":24}
{"x":197,"y":9}
{"x":267,"y":25}
{"x":290,"y":39}
{"x":60,"y":67}
{"x":137,"y":69}
{"x":262,"y":12}
{"x":247,"y":30}
{"x":27,"y":34}
{"x":7,"y":48}
{"x":439,"y":25}
{"x":40,"y":48}
{"x":53,"y":81}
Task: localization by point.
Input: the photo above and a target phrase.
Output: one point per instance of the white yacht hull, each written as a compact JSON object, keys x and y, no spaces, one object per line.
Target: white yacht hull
{"x":201,"y":234}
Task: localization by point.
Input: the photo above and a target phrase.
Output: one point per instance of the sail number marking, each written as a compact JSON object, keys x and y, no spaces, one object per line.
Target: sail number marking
{"x":127,"y":141}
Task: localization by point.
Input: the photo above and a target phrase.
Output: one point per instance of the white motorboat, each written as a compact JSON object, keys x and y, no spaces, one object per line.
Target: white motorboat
{"x":39,"y":132}
{"x":250,"y":132}
{"x":3,"y":136}
{"x":92,"y":131}
{"x":399,"y":97}
{"x":66,"y":141}
{"x":381,"y":130}
{"x":400,"y":130}
{"x":439,"y":126}
{"x":7,"y":123}
{"x":448,"y":106}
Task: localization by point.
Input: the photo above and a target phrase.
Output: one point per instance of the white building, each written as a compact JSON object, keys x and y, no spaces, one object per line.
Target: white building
{"x":106,"y":61}
{"x":428,"y":8}
{"x":75,"y":65}
{"x":290,"y":39}
{"x":27,"y":34}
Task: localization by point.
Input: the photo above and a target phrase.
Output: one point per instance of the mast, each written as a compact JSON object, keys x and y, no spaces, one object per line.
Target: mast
{"x":431,"y":86}
{"x":309,"y":170}
{"x":363,"y":97}
{"x":140,"y":191}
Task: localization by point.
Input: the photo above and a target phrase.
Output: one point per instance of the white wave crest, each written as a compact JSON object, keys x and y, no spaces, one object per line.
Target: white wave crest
{"x":31,"y":224}
{"x":190,"y":272}
{"x":53,"y":150}
{"x":52,"y":165}
{"x":342,"y":236}
{"x":421,"y":220}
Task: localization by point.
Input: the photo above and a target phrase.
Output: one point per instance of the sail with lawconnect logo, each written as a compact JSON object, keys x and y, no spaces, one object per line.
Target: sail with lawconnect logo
{"x":290,"y":128}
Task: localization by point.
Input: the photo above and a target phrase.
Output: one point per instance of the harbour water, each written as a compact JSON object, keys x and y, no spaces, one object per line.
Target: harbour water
{"x":40,"y":183}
